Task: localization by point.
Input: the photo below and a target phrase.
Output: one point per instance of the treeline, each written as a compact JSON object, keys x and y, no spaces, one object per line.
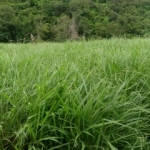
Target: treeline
{"x":60,"y":20}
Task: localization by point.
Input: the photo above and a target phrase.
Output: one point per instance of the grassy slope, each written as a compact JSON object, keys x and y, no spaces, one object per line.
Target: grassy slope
{"x":71,"y":96}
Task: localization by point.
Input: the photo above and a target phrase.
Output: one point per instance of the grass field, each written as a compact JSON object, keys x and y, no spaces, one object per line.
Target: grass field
{"x":91,"y":95}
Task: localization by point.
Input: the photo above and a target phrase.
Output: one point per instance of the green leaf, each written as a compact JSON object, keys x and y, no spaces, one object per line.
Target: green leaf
{"x":111,"y":146}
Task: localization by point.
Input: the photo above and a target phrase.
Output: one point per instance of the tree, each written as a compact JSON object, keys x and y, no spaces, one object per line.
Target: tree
{"x":60,"y":20}
{"x":7,"y":23}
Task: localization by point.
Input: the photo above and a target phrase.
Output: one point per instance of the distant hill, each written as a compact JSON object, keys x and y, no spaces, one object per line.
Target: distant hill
{"x":60,"y":20}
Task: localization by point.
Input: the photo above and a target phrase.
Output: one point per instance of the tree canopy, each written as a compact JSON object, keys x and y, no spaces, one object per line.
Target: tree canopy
{"x":60,"y":20}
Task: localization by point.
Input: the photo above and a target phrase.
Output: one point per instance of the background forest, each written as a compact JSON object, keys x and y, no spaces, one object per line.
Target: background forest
{"x":60,"y":20}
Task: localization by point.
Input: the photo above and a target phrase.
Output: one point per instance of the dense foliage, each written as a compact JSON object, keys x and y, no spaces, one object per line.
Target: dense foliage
{"x":75,"y":95}
{"x":59,"y":20}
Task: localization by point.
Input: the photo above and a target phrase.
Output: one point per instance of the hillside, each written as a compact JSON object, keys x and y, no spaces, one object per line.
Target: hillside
{"x":60,"y":20}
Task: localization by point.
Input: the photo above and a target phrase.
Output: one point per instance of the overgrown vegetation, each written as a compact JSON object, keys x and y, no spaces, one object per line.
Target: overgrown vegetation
{"x":60,"y":20}
{"x":75,"y":95}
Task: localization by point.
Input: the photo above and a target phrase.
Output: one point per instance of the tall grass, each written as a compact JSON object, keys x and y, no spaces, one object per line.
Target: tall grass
{"x":75,"y":96}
